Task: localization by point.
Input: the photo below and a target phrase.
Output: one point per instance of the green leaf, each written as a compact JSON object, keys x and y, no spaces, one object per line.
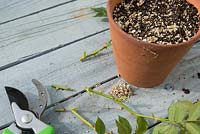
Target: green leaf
{"x":196,"y":121}
{"x":100,"y":12}
{"x":123,"y":126}
{"x":119,"y":127}
{"x":183,"y":131}
{"x":172,"y":130}
{"x":195,"y":112}
{"x":179,"y":111}
{"x":160,"y":128}
{"x":100,"y":126}
{"x":142,"y":126}
{"x":126,"y":124}
{"x":193,"y":128}
{"x":165,"y":129}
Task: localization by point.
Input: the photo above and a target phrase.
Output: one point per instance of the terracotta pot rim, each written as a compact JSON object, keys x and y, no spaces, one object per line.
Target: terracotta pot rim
{"x":192,"y":40}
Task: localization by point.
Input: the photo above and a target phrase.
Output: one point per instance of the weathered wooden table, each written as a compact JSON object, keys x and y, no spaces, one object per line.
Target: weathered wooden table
{"x":44,"y":39}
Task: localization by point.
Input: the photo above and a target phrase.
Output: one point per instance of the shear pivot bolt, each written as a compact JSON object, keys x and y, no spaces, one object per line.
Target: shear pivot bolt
{"x":27,"y":118}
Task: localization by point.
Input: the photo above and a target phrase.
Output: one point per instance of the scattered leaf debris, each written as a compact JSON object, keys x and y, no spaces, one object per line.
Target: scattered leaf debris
{"x":60,"y":110}
{"x":59,"y":87}
{"x":100,"y":11}
{"x":158,"y":21}
{"x":169,"y":87}
{"x":198,"y":74}
{"x":122,"y":91}
{"x":186,"y":91}
{"x":193,"y":76}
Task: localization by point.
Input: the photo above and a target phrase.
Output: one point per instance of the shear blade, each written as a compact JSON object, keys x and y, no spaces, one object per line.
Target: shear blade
{"x":18,"y":97}
{"x":42,"y":93}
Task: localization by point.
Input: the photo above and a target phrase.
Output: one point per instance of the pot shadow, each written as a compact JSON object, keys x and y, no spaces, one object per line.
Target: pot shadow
{"x":181,"y":84}
{"x":105,"y":20}
{"x":185,"y":73}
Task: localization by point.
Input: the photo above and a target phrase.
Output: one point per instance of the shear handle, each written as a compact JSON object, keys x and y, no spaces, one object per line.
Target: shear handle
{"x":27,"y":120}
{"x":12,"y":129}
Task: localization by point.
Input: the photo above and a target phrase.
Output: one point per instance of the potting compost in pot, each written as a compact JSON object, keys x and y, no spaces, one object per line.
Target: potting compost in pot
{"x":149,"y":37}
{"x":157,"y":21}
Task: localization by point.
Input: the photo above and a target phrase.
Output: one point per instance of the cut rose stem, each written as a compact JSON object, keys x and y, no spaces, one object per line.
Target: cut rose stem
{"x":73,"y":110}
{"x":60,"y":110}
{"x":95,"y":52}
{"x":116,"y":100}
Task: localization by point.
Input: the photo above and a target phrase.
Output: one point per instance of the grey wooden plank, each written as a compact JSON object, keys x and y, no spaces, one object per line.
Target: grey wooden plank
{"x":16,"y":9}
{"x":34,"y":34}
{"x":62,"y":67}
{"x":91,"y":106}
{"x":151,"y":101}
{"x":5,"y":111}
{"x":147,"y":101}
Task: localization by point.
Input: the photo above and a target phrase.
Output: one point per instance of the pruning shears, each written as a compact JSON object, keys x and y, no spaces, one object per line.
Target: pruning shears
{"x":28,"y":120}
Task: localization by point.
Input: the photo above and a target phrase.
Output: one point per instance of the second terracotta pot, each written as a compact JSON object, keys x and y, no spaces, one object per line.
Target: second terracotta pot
{"x":145,"y":64}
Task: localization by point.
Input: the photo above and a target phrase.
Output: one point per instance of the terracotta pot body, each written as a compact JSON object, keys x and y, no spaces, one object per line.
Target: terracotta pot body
{"x":145,"y":64}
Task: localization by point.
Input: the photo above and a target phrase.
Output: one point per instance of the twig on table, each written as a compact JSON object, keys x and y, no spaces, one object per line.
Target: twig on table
{"x":59,"y":87}
{"x":73,"y":110}
{"x":119,"y":102}
{"x":60,"y":110}
{"x":95,"y":52}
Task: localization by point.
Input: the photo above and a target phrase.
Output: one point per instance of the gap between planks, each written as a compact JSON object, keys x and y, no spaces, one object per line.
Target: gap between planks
{"x":48,"y":51}
{"x":93,"y":87}
{"x":23,"y":42}
{"x":184,"y":73}
{"x":36,"y":12}
{"x":33,"y":56}
{"x":72,"y":96}
{"x":79,"y":93}
{"x":176,"y":77}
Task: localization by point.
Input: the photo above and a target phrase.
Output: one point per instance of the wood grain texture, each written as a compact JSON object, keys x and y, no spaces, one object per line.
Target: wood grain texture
{"x":32,"y":35}
{"x":64,"y":67}
{"x":72,"y":24}
{"x":6,"y":115}
{"x":153,"y":101}
{"x":16,"y":9}
{"x":147,"y":101}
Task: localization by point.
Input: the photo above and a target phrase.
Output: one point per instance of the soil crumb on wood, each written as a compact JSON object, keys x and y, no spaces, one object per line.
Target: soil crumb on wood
{"x":122,"y":91}
{"x":158,"y":21}
{"x":198,"y":75}
{"x":186,"y":91}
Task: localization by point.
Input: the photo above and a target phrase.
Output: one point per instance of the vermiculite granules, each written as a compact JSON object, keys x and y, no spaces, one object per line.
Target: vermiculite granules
{"x":158,"y":21}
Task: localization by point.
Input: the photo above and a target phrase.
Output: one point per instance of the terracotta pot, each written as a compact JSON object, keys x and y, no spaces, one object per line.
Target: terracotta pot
{"x":145,"y":64}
